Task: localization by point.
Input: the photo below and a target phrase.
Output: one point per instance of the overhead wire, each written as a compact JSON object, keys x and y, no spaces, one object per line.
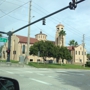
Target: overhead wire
{"x":2,"y":2}
{"x":51,"y":17}
{"x":14,"y":9}
{"x":80,"y":33}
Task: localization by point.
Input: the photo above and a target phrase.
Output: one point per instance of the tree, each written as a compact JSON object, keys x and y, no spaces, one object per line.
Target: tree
{"x":46,"y":49}
{"x":76,"y":43}
{"x":88,"y":56}
{"x":65,"y":54}
{"x":57,"y":53}
{"x":73,"y":43}
{"x":61,"y":34}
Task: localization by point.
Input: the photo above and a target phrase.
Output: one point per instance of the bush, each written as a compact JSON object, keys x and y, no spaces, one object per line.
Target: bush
{"x":87,"y":64}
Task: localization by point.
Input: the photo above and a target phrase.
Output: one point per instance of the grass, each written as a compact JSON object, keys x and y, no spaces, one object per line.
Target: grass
{"x":65,"y":66}
{"x":12,"y":61}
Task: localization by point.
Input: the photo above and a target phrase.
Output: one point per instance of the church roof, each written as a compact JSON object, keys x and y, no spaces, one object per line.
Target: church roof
{"x":41,"y":33}
{"x":23,"y":39}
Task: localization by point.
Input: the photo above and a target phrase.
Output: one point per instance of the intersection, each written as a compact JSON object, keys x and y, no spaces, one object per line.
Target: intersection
{"x":52,"y":79}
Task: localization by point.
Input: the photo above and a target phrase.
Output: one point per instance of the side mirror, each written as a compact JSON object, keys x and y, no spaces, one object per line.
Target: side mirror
{"x":8,"y":84}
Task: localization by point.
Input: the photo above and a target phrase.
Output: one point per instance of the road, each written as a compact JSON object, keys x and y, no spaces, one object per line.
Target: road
{"x":48,"y":79}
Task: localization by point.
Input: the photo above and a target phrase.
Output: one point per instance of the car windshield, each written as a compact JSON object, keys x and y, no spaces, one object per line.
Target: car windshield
{"x":44,"y":44}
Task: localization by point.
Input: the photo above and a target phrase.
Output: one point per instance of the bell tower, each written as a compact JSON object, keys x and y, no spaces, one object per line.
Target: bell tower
{"x":58,"y":39}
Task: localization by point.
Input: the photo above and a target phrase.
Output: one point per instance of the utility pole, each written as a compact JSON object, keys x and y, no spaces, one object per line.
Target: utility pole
{"x":29,"y":21}
{"x":83,"y":50}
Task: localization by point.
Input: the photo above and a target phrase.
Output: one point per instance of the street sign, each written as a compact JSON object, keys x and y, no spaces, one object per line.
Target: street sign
{"x":3,"y":39}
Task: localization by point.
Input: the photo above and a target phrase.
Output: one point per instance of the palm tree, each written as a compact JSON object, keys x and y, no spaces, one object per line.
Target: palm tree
{"x":73,"y":43}
{"x":76,"y":43}
{"x":62,"y":33}
{"x":70,"y":43}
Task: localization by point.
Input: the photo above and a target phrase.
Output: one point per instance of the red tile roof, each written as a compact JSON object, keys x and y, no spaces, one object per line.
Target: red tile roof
{"x":70,"y":48}
{"x":23,"y":39}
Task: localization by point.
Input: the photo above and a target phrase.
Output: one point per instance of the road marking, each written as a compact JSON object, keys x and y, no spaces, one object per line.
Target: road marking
{"x":40,"y":81}
{"x":40,"y":74}
{"x":9,"y":72}
{"x":61,"y":71}
{"x":50,"y":76}
{"x":28,"y":71}
{"x":21,"y":75}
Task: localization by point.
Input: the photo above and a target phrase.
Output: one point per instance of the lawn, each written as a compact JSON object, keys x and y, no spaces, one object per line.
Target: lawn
{"x":12,"y":61}
{"x":65,"y":66}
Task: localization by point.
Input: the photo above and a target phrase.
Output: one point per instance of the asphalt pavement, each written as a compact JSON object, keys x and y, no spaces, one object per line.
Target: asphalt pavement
{"x":30,"y":78}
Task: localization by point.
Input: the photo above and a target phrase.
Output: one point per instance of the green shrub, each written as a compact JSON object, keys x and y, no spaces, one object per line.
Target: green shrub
{"x":87,"y":64}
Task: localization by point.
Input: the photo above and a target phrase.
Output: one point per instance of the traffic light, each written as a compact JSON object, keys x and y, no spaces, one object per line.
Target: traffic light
{"x":73,"y":5}
{"x":8,"y":51}
{"x":43,"y":22}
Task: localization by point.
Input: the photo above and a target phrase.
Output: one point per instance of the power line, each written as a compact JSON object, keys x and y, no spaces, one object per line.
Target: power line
{"x":2,"y":2}
{"x":13,"y":17}
{"x":14,"y":9}
{"x":53,"y":18}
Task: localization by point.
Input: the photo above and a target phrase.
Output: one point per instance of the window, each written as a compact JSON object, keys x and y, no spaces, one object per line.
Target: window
{"x":38,"y":60}
{"x":57,"y":28}
{"x":23,"y":49}
{"x":80,"y":60}
{"x":76,"y":52}
{"x":85,"y":53}
{"x":79,"y":52}
{"x":3,"y":52}
{"x":43,"y":36}
{"x":31,"y":60}
{"x":14,"y":52}
{"x":62,"y":28}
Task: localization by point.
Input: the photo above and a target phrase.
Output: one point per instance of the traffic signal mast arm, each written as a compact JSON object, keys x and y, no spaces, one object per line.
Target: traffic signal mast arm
{"x":47,"y":16}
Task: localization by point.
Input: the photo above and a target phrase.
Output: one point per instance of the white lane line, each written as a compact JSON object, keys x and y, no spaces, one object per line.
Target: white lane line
{"x":40,"y":74}
{"x":9,"y":72}
{"x":64,"y":74}
{"x":28,"y":71}
{"x":21,"y":75}
{"x":40,"y":81}
{"x":61,"y":71}
{"x":50,"y":76}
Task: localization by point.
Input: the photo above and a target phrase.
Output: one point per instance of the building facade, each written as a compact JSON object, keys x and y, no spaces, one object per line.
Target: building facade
{"x":78,"y":56}
{"x":19,"y":47}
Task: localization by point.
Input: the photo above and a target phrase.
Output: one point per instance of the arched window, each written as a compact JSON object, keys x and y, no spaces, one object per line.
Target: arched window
{"x":23,"y":49}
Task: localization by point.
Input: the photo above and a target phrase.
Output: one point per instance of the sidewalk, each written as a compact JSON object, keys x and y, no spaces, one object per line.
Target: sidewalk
{"x":9,"y":64}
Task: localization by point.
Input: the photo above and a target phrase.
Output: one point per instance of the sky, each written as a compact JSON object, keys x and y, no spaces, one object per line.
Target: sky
{"x":15,"y":13}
